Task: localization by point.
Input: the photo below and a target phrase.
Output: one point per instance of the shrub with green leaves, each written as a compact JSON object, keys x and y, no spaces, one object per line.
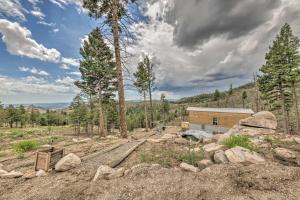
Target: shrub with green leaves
{"x":239,"y":140}
{"x":191,"y":157}
{"x":25,"y":145}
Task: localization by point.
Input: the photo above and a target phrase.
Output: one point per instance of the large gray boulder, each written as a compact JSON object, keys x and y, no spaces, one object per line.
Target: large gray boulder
{"x":243,"y":156}
{"x":263,"y":119}
{"x":68,"y":162}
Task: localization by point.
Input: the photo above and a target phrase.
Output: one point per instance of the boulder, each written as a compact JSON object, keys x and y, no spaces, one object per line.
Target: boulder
{"x":284,"y":154}
{"x":12,"y":174}
{"x":103,"y":172}
{"x":181,"y":141}
{"x":117,"y":173}
{"x":2,"y":167}
{"x":252,"y":131}
{"x":242,"y":155}
{"x":68,"y":162}
{"x":40,"y":173}
{"x":297,"y":140}
{"x":212,"y":147}
{"x":220,"y":157}
{"x":263,"y":119}
{"x":204,"y":163}
{"x":188,"y":167}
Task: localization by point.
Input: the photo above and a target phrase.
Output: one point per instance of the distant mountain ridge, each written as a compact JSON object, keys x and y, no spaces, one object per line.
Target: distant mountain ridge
{"x":46,"y":106}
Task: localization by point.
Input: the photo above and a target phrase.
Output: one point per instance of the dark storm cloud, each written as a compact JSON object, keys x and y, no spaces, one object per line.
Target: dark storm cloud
{"x":199,"y":20}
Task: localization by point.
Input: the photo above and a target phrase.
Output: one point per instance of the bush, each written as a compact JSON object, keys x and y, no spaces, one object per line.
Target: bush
{"x":24,"y":146}
{"x":239,"y":140}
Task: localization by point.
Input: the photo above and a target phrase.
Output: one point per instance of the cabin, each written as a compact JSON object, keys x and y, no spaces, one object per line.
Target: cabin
{"x":216,"y":120}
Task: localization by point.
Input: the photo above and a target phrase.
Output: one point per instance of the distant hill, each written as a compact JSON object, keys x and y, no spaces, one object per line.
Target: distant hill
{"x":207,"y":99}
{"x":45,"y":106}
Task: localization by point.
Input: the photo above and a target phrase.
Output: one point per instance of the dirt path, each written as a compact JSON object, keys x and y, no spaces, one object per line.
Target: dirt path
{"x":55,"y":185}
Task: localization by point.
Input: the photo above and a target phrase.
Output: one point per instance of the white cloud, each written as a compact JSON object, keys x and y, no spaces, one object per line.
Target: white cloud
{"x":46,"y":23}
{"x":70,"y":61}
{"x":34,"y":70}
{"x":38,"y":13}
{"x":32,"y":85}
{"x":63,"y":3}
{"x":75,"y":73}
{"x":12,"y":8}
{"x":84,"y":38}
{"x":67,"y":81}
{"x":64,"y":67}
{"x":55,"y":30}
{"x":19,"y":41}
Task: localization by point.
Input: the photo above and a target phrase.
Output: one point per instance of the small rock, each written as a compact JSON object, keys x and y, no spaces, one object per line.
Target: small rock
{"x":284,"y":154}
{"x":103,"y":171}
{"x":2,"y":167}
{"x":297,"y":140}
{"x":188,"y":167}
{"x":117,"y":173}
{"x":220,"y":157}
{"x":41,"y":173}
{"x":233,"y":131}
{"x":197,"y":149}
{"x":74,"y":140}
{"x":68,"y":162}
{"x":204,"y":163}
{"x":243,"y":155}
{"x":212,"y":147}
{"x":12,"y":174}
{"x":181,"y":141}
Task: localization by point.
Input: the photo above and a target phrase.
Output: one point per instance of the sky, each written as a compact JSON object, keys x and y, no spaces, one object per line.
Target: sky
{"x":196,"y":46}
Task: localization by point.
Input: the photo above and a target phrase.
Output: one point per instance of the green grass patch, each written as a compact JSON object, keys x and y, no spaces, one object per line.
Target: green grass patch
{"x":169,"y":157}
{"x":239,"y":140}
{"x":25,"y":145}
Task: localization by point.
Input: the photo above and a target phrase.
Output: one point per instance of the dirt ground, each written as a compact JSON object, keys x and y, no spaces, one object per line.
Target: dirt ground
{"x":269,"y":180}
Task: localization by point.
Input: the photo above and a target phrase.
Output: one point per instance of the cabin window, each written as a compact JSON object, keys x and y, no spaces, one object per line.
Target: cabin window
{"x":215,"y":121}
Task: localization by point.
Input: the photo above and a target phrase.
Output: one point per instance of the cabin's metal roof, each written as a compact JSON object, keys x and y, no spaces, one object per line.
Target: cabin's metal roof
{"x":223,"y":110}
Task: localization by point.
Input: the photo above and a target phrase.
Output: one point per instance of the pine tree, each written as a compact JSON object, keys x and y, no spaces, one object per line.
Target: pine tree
{"x":79,"y":113}
{"x":291,"y":45}
{"x":275,"y":82}
{"x":98,"y":72}
{"x":141,"y":83}
{"x":165,"y":106}
{"x":113,"y":11}
{"x":244,"y":97}
{"x":217,"y":96}
{"x":151,"y":79}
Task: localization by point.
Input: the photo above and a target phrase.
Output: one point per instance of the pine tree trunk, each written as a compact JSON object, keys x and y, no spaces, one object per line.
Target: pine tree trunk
{"x":102,"y":130}
{"x":122,"y":109}
{"x":296,"y":106}
{"x":146,"y":113}
{"x":151,"y":106}
{"x":284,"y":110}
{"x":243,"y":103}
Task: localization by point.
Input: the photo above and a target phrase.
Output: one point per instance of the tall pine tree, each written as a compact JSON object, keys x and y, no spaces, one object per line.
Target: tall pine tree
{"x":141,"y":83}
{"x":113,"y":12}
{"x":276,"y":80}
{"x":98,"y":72}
